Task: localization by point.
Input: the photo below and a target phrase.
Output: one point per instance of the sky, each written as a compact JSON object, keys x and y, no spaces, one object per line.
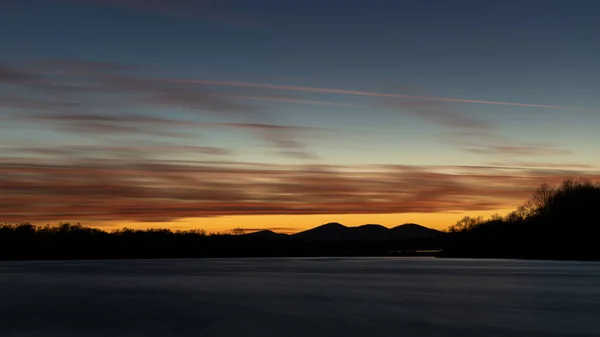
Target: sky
{"x":289,"y":114}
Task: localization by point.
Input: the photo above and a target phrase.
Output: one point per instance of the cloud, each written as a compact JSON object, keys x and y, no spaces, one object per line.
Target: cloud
{"x":439,"y":113}
{"x":83,"y":66}
{"x":491,"y":144}
{"x":92,"y":84}
{"x":294,"y":100}
{"x":432,"y":108}
{"x":367,"y":93}
{"x":76,"y":96}
{"x":194,"y":100}
{"x":522,"y":150}
{"x":131,"y":151}
{"x":22,"y":102}
{"x":542,"y":165}
{"x":110,"y":124}
{"x":100,"y":189}
{"x":9,"y":74}
{"x":474,"y":135}
{"x":108,"y":100}
{"x":286,"y":139}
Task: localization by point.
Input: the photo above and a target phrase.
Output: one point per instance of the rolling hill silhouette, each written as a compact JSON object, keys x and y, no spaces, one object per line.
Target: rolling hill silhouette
{"x":370,"y":232}
{"x":265,"y":234}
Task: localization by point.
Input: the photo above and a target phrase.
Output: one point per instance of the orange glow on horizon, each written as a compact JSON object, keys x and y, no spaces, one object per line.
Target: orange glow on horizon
{"x":297,"y":223}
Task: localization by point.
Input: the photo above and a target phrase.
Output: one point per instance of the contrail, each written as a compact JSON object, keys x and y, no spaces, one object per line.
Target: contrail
{"x":365,"y":93}
{"x":288,"y":100}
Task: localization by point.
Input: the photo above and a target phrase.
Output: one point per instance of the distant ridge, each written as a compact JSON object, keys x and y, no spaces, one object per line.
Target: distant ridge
{"x":326,"y":231}
{"x":414,"y":231}
{"x":335,"y":231}
{"x":265,"y":234}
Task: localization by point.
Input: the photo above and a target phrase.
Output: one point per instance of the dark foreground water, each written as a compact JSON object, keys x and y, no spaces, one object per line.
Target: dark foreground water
{"x":300,"y":297}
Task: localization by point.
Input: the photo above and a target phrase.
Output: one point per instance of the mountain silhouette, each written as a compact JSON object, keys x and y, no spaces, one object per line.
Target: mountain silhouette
{"x":265,"y":234}
{"x":370,"y":232}
{"x":414,"y":231}
{"x":327,"y":232}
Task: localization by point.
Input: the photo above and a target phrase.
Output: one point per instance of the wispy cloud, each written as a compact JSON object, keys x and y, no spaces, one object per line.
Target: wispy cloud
{"x":93,"y":83}
{"x":97,"y":97}
{"x":288,"y":140}
{"x":106,"y":151}
{"x":439,"y":113}
{"x":113,"y":93}
{"x":110,"y":124}
{"x":96,"y":189}
{"x":293,"y":100}
{"x":9,"y":74}
{"x":523,"y":150}
{"x":473,"y":134}
{"x":367,"y":93}
{"x":491,"y":144}
{"x":545,"y":165}
{"x":434,"y":109}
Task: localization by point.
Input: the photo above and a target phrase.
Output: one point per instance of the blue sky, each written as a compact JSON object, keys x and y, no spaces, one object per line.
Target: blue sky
{"x":131,"y":79}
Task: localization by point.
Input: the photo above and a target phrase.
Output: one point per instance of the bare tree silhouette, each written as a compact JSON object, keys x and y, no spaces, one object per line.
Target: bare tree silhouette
{"x":557,"y":222}
{"x":238,"y":231}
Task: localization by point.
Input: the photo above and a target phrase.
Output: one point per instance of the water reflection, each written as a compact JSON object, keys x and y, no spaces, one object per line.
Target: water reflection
{"x":300,"y":297}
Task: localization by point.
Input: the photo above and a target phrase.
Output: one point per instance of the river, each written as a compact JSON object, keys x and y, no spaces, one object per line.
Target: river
{"x":308,"y":297}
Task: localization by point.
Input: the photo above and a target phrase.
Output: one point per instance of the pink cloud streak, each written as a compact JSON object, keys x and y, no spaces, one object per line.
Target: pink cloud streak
{"x":94,"y":189}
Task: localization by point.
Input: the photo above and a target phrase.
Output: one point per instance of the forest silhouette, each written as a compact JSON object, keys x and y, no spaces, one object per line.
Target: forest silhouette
{"x":68,"y":241}
{"x":558,"y":222}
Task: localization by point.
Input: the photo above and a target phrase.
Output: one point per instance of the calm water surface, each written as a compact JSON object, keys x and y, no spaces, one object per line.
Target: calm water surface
{"x":300,"y":297}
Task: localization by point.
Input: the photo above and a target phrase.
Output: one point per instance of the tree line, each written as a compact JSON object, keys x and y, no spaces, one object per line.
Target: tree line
{"x":75,"y":241}
{"x":556,"y":222}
